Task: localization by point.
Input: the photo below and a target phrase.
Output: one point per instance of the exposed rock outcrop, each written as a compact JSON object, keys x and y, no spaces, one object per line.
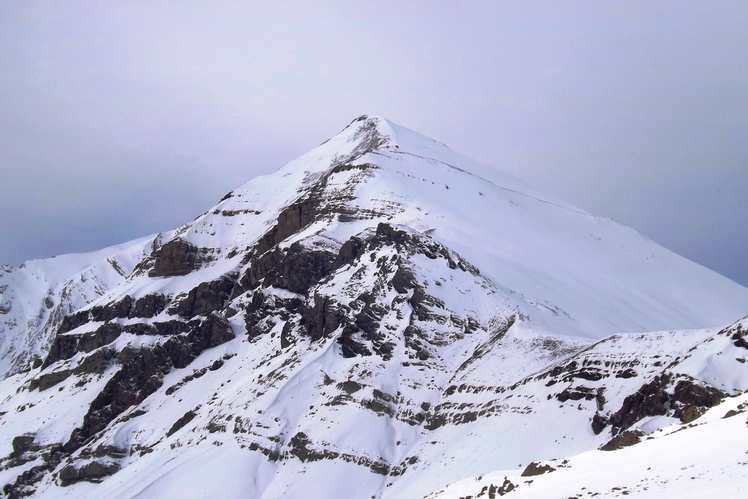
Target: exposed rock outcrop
{"x":625,"y":439}
{"x":534,"y":469}
{"x":148,"y":306}
{"x":175,"y":258}
{"x":181,"y":422}
{"x":205,"y":298}
{"x":142,"y":373}
{"x":296,"y":268}
{"x":66,"y":346}
{"x":653,"y":399}
{"x":94,"y":471}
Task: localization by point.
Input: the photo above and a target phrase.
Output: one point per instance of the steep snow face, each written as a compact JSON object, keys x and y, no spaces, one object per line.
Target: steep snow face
{"x":378,"y":318}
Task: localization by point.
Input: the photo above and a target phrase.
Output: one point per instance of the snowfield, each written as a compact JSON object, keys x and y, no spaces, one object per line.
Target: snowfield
{"x":700,"y":460}
{"x":381,"y":317}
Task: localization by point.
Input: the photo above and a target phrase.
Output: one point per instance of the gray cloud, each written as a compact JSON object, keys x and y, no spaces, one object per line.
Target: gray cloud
{"x":121,"y":120}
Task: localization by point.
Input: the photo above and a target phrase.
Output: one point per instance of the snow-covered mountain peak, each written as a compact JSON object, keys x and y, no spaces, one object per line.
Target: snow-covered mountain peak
{"x":370,"y":132}
{"x":382,"y":312}
{"x":376,"y":134}
{"x":376,"y":171}
{"x":567,"y":271}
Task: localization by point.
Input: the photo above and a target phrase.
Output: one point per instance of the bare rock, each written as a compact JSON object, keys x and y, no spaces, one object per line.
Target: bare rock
{"x":181,"y":422}
{"x":93,"y":471}
{"x":24,"y":443}
{"x":66,"y":346}
{"x":177,"y":257}
{"x":73,"y":321}
{"x":48,"y":380}
{"x":534,"y":469}
{"x":501,"y":490}
{"x":296,"y":269}
{"x":148,"y":306}
{"x":691,"y":413}
{"x":349,"y":346}
{"x":598,"y":423}
{"x":323,"y":317}
{"x":649,"y":400}
{"x":303,"y":267}
{"x":24,"y":484}
{"x":689,"y":393}
{"x":292,"y":219}
{"x":111,"y":311}
{"x":205,"y":298}
{"x":625,"y":439}
{"x":350,"y":250}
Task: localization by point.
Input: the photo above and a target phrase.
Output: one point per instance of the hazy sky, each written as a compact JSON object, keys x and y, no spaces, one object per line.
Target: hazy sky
{"x":121,"y":119}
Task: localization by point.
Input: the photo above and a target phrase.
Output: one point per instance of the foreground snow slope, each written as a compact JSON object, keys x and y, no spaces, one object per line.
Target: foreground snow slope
{"x":705,"y":459}
{"x":378,"y":318}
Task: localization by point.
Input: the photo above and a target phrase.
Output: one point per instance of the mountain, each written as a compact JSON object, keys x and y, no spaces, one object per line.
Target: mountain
{"x":381,"y":317}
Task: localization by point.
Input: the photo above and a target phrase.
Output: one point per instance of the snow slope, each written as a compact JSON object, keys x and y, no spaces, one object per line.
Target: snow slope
{"x":705,"y":459}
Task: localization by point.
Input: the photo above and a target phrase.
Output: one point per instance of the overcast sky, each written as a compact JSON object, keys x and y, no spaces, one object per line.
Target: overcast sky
{"x":122,"y":119}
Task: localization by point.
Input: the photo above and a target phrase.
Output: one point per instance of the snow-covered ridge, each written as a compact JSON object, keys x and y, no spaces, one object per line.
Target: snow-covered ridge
{"x":36,"y":296}
{"x":381,"y":311}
